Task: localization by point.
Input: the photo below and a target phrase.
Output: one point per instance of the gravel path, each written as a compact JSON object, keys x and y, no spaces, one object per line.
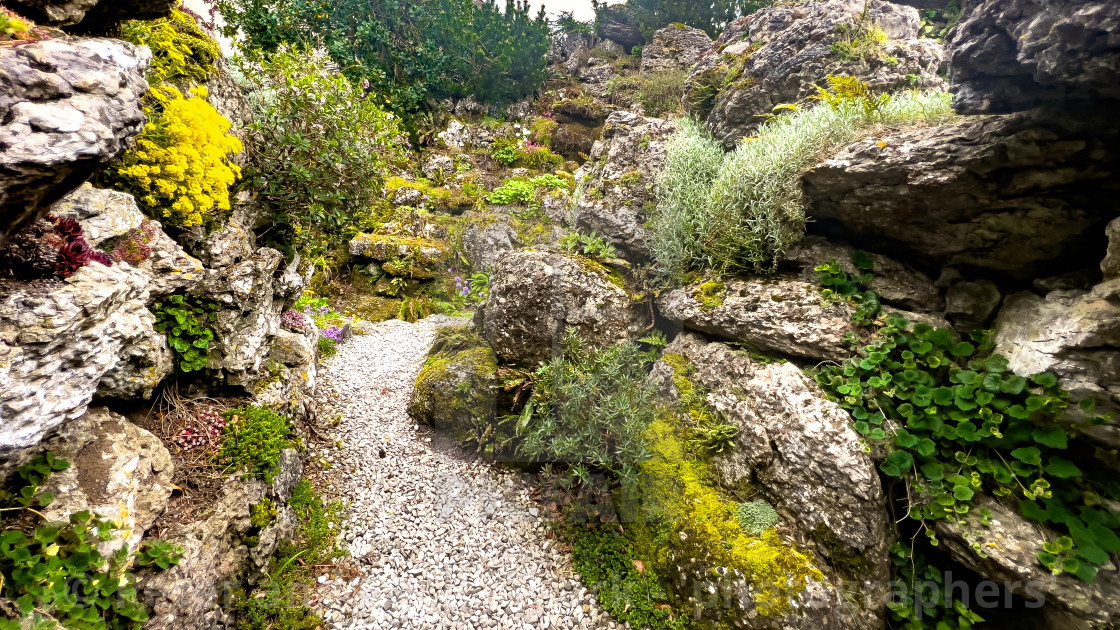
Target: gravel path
{"x":442,"y":541}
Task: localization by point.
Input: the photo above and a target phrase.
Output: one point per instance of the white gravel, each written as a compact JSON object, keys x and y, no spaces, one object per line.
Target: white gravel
{"x":443,"y":541}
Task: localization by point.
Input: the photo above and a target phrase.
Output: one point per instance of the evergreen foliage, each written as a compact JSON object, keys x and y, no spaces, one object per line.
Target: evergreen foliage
{"x":711,"y":17}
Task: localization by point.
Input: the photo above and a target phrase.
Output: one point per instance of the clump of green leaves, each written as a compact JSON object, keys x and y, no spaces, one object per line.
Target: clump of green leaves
{"x":53,"y":570}
{"x":859,"y":42}
{"x":841,"y":286}
{"x":587,"y":245}
{"x":253,"y":439}
{"x":756,"y":516}
{"x":512,"y":191}
{"x":966,"y":423}
{"x":591,"y":408}
{"x":936,"y":23}
{"x":919,"y":601}
{"x":505,"y":154}
{"x":186,"y":320}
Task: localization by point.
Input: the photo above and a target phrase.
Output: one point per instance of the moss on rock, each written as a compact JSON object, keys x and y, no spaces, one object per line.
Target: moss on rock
{"x":455,"y":390}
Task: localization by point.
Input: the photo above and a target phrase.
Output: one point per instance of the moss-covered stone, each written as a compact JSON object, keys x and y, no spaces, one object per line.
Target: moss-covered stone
{"x":709,"y":294}
{"x":403,"y":256}
{"x":455,"y":390}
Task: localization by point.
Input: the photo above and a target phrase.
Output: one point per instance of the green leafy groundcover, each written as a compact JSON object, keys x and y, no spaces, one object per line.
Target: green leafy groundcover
{"x":966,"y":424}
{"x":253,"y":439}
{"x":53,"y":570}
{"x":186,"y":320}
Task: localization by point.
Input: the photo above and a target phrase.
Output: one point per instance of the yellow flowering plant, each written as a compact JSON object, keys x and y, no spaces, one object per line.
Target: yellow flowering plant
{"x":180,"y":169}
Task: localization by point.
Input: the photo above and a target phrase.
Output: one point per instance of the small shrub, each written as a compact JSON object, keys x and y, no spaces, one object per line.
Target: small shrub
{"x":506,"y":155}
{"x":587,"y":245}
{"x":541,"y":130}
{"x":661,"y":92}
{"x":180,"y":169}
{"x":512,"y":191}
{"x":186,"y":320}
{"x":252,"y":441}
{"x":14,"y":27}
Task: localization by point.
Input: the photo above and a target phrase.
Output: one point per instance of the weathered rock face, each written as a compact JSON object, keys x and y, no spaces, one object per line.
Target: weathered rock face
{"x":564,"y":46}
{"x":143,"y":362}
{"x":250,"y":315}
{"x":1073,"y":334}
{"x":895,"y":283}
{"x":229,"y":244}
{"x":675,"y":47}
{"x":797,"y":445}
{"x":102,"y":213}
{"x":68,"y":107}
{"x":536,"y":294}
{"x":483,"y":243}
{"x":772,"y":314}
{"x":777,"y":54}
{"x":456,"y":389}
{"x":92,"y":14}
{"x":618,"y":192}
{"x":970,"y":304}
{"x":403,"y":256}
{"x":57,"y":339}
{"x":1006,"y":195}
{"x":616,"y":23}
{"x":1110,"y":266}
{"x":189,"y":594}
{"x":1012,"y":55}
{"x":1010,"y":544}
{"x":117,"y":470}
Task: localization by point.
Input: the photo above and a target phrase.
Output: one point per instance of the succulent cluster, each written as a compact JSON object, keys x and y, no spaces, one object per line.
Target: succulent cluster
{"x":50,"y":246}
{"x":293,"y":320}
{"x":205,"y":431}
{"x":132,"y":248}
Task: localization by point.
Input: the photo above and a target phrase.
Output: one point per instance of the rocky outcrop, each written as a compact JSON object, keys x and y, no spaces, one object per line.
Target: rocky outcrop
{"x":1012,"y":195}
{"x":1013,"y":55}
{"x":536,"y":294}
{"x":103,"y":214}
{"x":117,"y":470}
{"x":456,"y":390}
{"x":1009,"y":545}
{"x":970,"y":304}
{"x":896,"y":283}
{"x":1075,"y":335}
{"x":483,"y":242}
{"x":142,"y":363}
{"x":615,"y":22}
{"x":68,"y":107}
{"x":675,"y":47}
{"x":770,"y":314}
{"x":249,"y":316}
{"x":57,"y":340}
{"x":619,"y":180}
{"x":776,"y":55}
{"x":797,"y":446}
{"x":92,"y":14}
{"x":189,"y":594}
{"x":403,"y":256}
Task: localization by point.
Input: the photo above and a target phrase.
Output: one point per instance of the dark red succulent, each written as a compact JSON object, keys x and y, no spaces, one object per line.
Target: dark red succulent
{"x":102,"y":258}
{"x":72,"y":257}
{"x":67,"y":228}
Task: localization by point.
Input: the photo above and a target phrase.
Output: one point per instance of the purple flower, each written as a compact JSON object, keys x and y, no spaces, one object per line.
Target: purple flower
{"x":334,"y":333}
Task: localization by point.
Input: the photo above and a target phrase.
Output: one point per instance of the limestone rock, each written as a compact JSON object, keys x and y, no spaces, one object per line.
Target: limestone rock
{"x":170,"y":268}
{"x":142,"y":364}
{"x":1073,"y":334}
{"x":189,"y":594}
{"x":536,"y":294}
{"x":439,"y":167}
{"x":456,"y":390}
{"x":616,"y":23}
{"x":92,"y":14}
{"x":619,"y":179}
{"x":564,"y":46}
{"x":799,"y":450}
{"x":595,"y":76}
{"x":403,"y":256}
{"x":1010,"y":544}
{"x":484,"y":242}
{"x":102,"y":213}
{"x":969,"y":305}
{"x":57,"y":339}
{"x":117,"y":470}
{"x":675,"y":47}
{"x":233,"y":241}
{"x":294,"y":348}
{"x":895,"y":283}
{"x":784,"y":50}
{"x":771,"y":314}
{"x":68,"y":107}
{"x":1012,"y":55}
{"x":1012,"y":195}
{"x":249,"y":315}
{"x":1110,"y":266}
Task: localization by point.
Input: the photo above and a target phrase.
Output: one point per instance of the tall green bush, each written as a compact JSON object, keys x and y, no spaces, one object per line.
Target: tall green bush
{"x":409,"y":50}
{"x":711,"y":17}
{"x":319,"y":150}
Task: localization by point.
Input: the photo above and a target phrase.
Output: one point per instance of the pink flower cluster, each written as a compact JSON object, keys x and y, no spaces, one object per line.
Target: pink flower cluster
{"x":205,"y":431}
{"x":133,"y":248}
{"x":293,"y":320}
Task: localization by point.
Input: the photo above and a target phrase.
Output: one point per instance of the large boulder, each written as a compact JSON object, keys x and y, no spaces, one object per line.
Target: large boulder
{"x":896,"y":283}
{"x":1010,"y":543}
{"x":780,"y":314}
{"x":456,"y":390}
{"x":675,"y":47}
{"x":142,"y":364}
{"x":776,"y":56}
{"x":117,"y":470}
{"x":619,"y":182}
{"x":1007,"y":195}
{"x":1073,"y":334}
{"x":485,"y":240}
{"x":535,"y":294}
{"x":801,"y":452}
{"x":68,"y":107}
{"x":617,"y":23}
{"x":217,"y":551}
{"x":1013,"y":55}
{"x":57,"y":340}
{"x":92,"y":14}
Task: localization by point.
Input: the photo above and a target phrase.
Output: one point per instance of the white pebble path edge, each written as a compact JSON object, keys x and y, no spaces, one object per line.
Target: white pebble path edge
{"x":443,"y":541}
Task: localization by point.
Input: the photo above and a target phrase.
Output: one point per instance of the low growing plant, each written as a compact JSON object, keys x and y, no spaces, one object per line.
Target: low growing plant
{"x":187,"y":320}
{"x":587,"y":245}
{"x":253,"y":439}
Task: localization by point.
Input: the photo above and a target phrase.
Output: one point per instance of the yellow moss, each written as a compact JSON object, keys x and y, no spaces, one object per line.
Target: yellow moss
{"x":710,"y":295}
{"x":593,"y":266}
{"x":181,"y":51}
{"x":679,"y":489}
